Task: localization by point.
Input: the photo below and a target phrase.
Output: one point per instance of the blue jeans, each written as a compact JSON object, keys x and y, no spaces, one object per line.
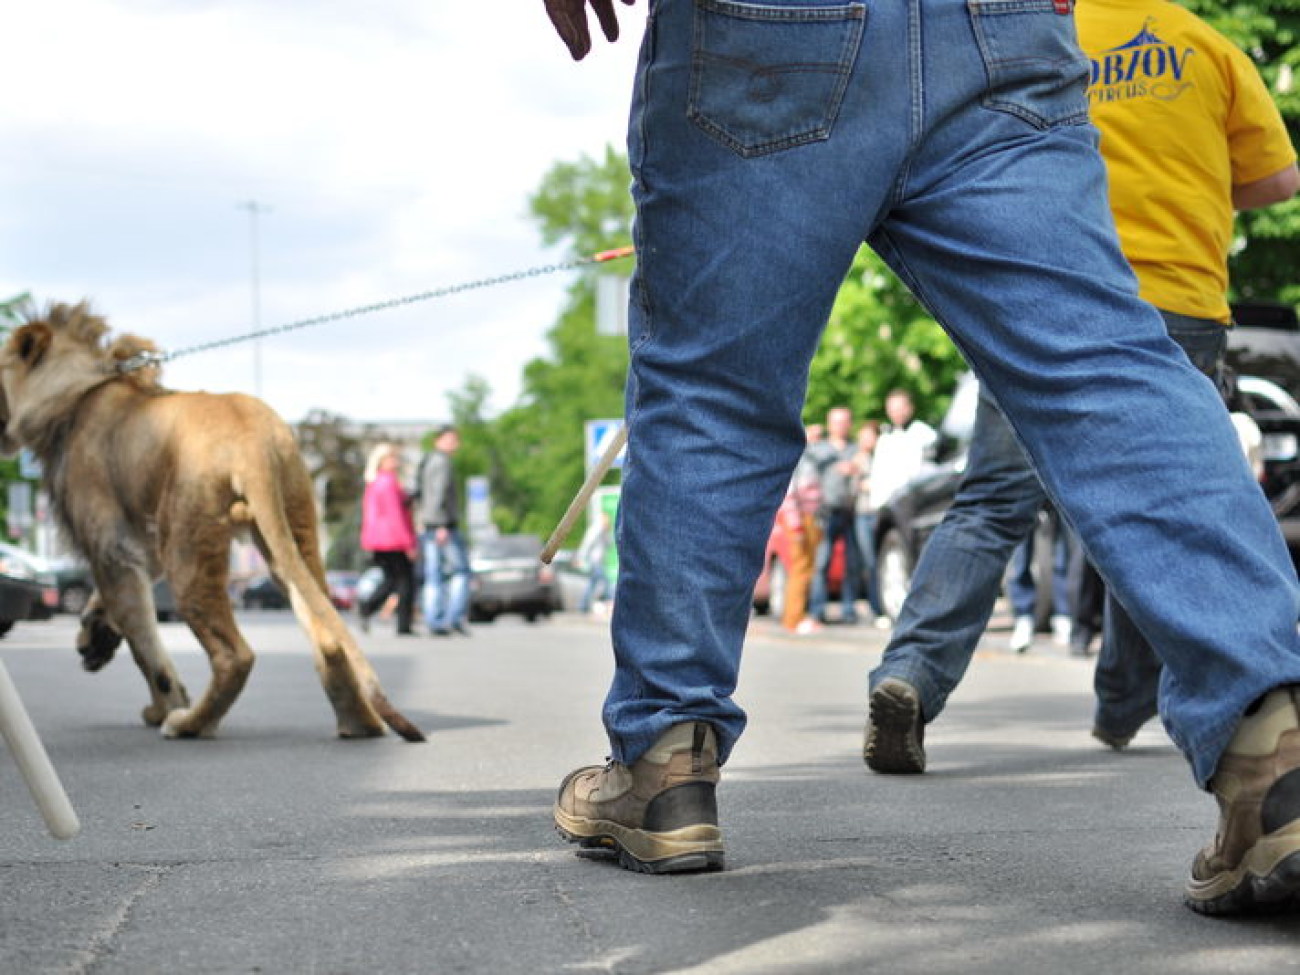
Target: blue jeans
{"x":597,"y":587}
{"x":1022,"y":588}
{"x":864,"y":531}
{"x":766,"y":142}
{"x":445,"y":594}
{"x":959,"y":574}
{"x":1127,"y":677}
{"x":956,"y":582}
{"x":836,"y":524}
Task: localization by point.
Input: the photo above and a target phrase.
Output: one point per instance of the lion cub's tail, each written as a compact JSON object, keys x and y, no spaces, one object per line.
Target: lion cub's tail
{"x":289,"y":534}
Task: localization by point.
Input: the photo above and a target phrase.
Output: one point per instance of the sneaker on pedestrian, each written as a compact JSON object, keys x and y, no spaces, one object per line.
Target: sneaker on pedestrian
{"x":1022,"y":634}
{"x":657,"y":815}
{"x":895,"y":734}
{"x":883,"y":622}
{"x":1061,"y":629}
{"x":807,"y":626}
{"x":1253,"y":864}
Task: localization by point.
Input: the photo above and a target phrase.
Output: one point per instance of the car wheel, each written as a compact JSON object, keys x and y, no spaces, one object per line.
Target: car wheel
{"x":777,"y":578}
{"x":74,"y":599}
{"x":893,"y":573}
{"x":530,"y":617}
{"x":6,"y":626}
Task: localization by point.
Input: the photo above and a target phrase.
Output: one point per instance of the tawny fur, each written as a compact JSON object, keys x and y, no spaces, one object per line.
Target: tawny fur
{"x":146,"y":481}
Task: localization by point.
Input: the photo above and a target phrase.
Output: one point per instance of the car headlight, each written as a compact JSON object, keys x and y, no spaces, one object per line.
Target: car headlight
{"x":16,"y":569}
{"x":1280,"y":446}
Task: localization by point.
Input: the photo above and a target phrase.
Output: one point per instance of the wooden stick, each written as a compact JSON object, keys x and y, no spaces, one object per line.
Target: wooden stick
{"x":42,"y":781}
{"x":579,"y":502}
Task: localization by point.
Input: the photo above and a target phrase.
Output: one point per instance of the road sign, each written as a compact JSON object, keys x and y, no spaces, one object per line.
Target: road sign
{"x":599,"y":435}
{"x":478,"y":507}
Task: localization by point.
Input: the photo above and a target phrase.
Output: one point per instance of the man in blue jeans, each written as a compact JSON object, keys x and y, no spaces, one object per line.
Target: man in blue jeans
{"x":834,"y":460}
{"x":445,"y":560}
{"x":767,"y":141}
{"x":1174,"y":213}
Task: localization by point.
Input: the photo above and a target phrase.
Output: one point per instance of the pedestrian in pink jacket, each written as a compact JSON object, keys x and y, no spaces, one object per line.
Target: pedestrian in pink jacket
{"x":388,"y":535}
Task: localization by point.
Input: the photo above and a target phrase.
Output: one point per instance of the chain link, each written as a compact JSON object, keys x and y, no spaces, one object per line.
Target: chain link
{"x":158,"y":358}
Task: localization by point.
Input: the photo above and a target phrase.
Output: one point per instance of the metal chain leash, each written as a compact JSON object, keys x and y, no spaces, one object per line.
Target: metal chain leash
{"x":144,"y":359}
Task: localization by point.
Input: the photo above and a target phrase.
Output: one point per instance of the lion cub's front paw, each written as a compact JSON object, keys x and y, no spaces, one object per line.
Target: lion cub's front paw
{"x":153,"y":714}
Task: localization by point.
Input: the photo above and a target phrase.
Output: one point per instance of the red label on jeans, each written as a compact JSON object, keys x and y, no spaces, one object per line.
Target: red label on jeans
{"x":1063,"y":6}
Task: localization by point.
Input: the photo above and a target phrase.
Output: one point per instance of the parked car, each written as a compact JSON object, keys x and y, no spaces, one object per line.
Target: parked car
{"x":1264,"y":350}
{"x":74,"y":586}
{"x":906,"y":522}
{"x":1277,"y":414}
{"x":72,"y":576}
{"x":508,"y":576}
{"x":264,"y":592}
{"x":28,"y":590}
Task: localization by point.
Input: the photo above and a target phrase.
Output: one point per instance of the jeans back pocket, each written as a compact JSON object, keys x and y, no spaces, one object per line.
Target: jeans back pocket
{"x":1035,"y":67}
{"x":767,"y":77}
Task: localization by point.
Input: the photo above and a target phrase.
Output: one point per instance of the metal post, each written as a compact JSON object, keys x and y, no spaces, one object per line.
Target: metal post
{"x":254,"y":208}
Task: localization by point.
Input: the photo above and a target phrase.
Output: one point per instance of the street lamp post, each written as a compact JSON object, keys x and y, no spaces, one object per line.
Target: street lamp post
{"x":254,"y":210}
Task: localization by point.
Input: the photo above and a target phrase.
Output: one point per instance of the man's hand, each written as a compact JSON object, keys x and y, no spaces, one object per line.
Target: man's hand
{"x":570,"y":20}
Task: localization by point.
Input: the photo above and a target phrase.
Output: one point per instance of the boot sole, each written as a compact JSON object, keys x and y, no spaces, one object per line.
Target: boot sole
{"x":893,"y":743}
{"x":690,"y":849}
{"x":1266,"y":882}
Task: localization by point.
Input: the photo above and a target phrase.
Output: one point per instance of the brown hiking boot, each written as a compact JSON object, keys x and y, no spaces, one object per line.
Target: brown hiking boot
{"x":659,"y":815}
{"x":895,"y":731}
{"x":1253,"y":865}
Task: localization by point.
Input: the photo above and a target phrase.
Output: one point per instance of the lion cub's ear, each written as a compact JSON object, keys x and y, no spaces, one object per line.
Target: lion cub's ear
{"x":31,"y":343}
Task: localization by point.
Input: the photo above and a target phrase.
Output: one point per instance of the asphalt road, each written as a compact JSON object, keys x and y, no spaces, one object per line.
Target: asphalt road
{"x":277,"y":848}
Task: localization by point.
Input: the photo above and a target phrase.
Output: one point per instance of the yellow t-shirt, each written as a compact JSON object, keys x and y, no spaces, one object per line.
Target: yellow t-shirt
{"x":1184,"y":116}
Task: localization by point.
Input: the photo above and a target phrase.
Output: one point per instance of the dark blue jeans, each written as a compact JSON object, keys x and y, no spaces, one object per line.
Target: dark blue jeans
{"x":1127,"y":679}
{"x":959,"y":574}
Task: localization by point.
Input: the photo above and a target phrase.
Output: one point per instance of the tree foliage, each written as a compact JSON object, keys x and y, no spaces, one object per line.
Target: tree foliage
{"x":335,"y":453}
{"x":880,"y":338}
{"x":1267,"y":255}
{"x":533,"y":452}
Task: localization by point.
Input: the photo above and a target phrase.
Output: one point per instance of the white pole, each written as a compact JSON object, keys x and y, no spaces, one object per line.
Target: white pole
{"x":25,"y":745}
{"x":254,"y":208}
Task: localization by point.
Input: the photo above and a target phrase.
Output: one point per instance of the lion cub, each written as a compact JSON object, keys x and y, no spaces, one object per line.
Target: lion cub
{"x":145,"y":482}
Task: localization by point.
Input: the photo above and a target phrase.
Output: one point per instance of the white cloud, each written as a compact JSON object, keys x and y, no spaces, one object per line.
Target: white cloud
{"x":396,"y":146}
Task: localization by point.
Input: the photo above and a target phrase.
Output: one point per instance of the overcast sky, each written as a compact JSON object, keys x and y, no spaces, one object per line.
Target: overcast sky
{"x":395,"y":144}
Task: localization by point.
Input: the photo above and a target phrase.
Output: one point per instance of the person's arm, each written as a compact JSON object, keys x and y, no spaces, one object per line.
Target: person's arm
{"x":1281,"y":186}
{"x":570,"y":20}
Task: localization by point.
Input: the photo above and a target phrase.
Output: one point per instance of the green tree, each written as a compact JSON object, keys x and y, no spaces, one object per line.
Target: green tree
{"x":880,"y":338}
{"x":1267,"y":254}
{"x":335,"y":453}
{"x":534,"y":452}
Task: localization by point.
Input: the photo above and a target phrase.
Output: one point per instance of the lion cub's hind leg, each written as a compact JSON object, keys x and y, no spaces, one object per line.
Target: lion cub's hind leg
{"x":199,"y":585}
{"x":345,"y":687}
